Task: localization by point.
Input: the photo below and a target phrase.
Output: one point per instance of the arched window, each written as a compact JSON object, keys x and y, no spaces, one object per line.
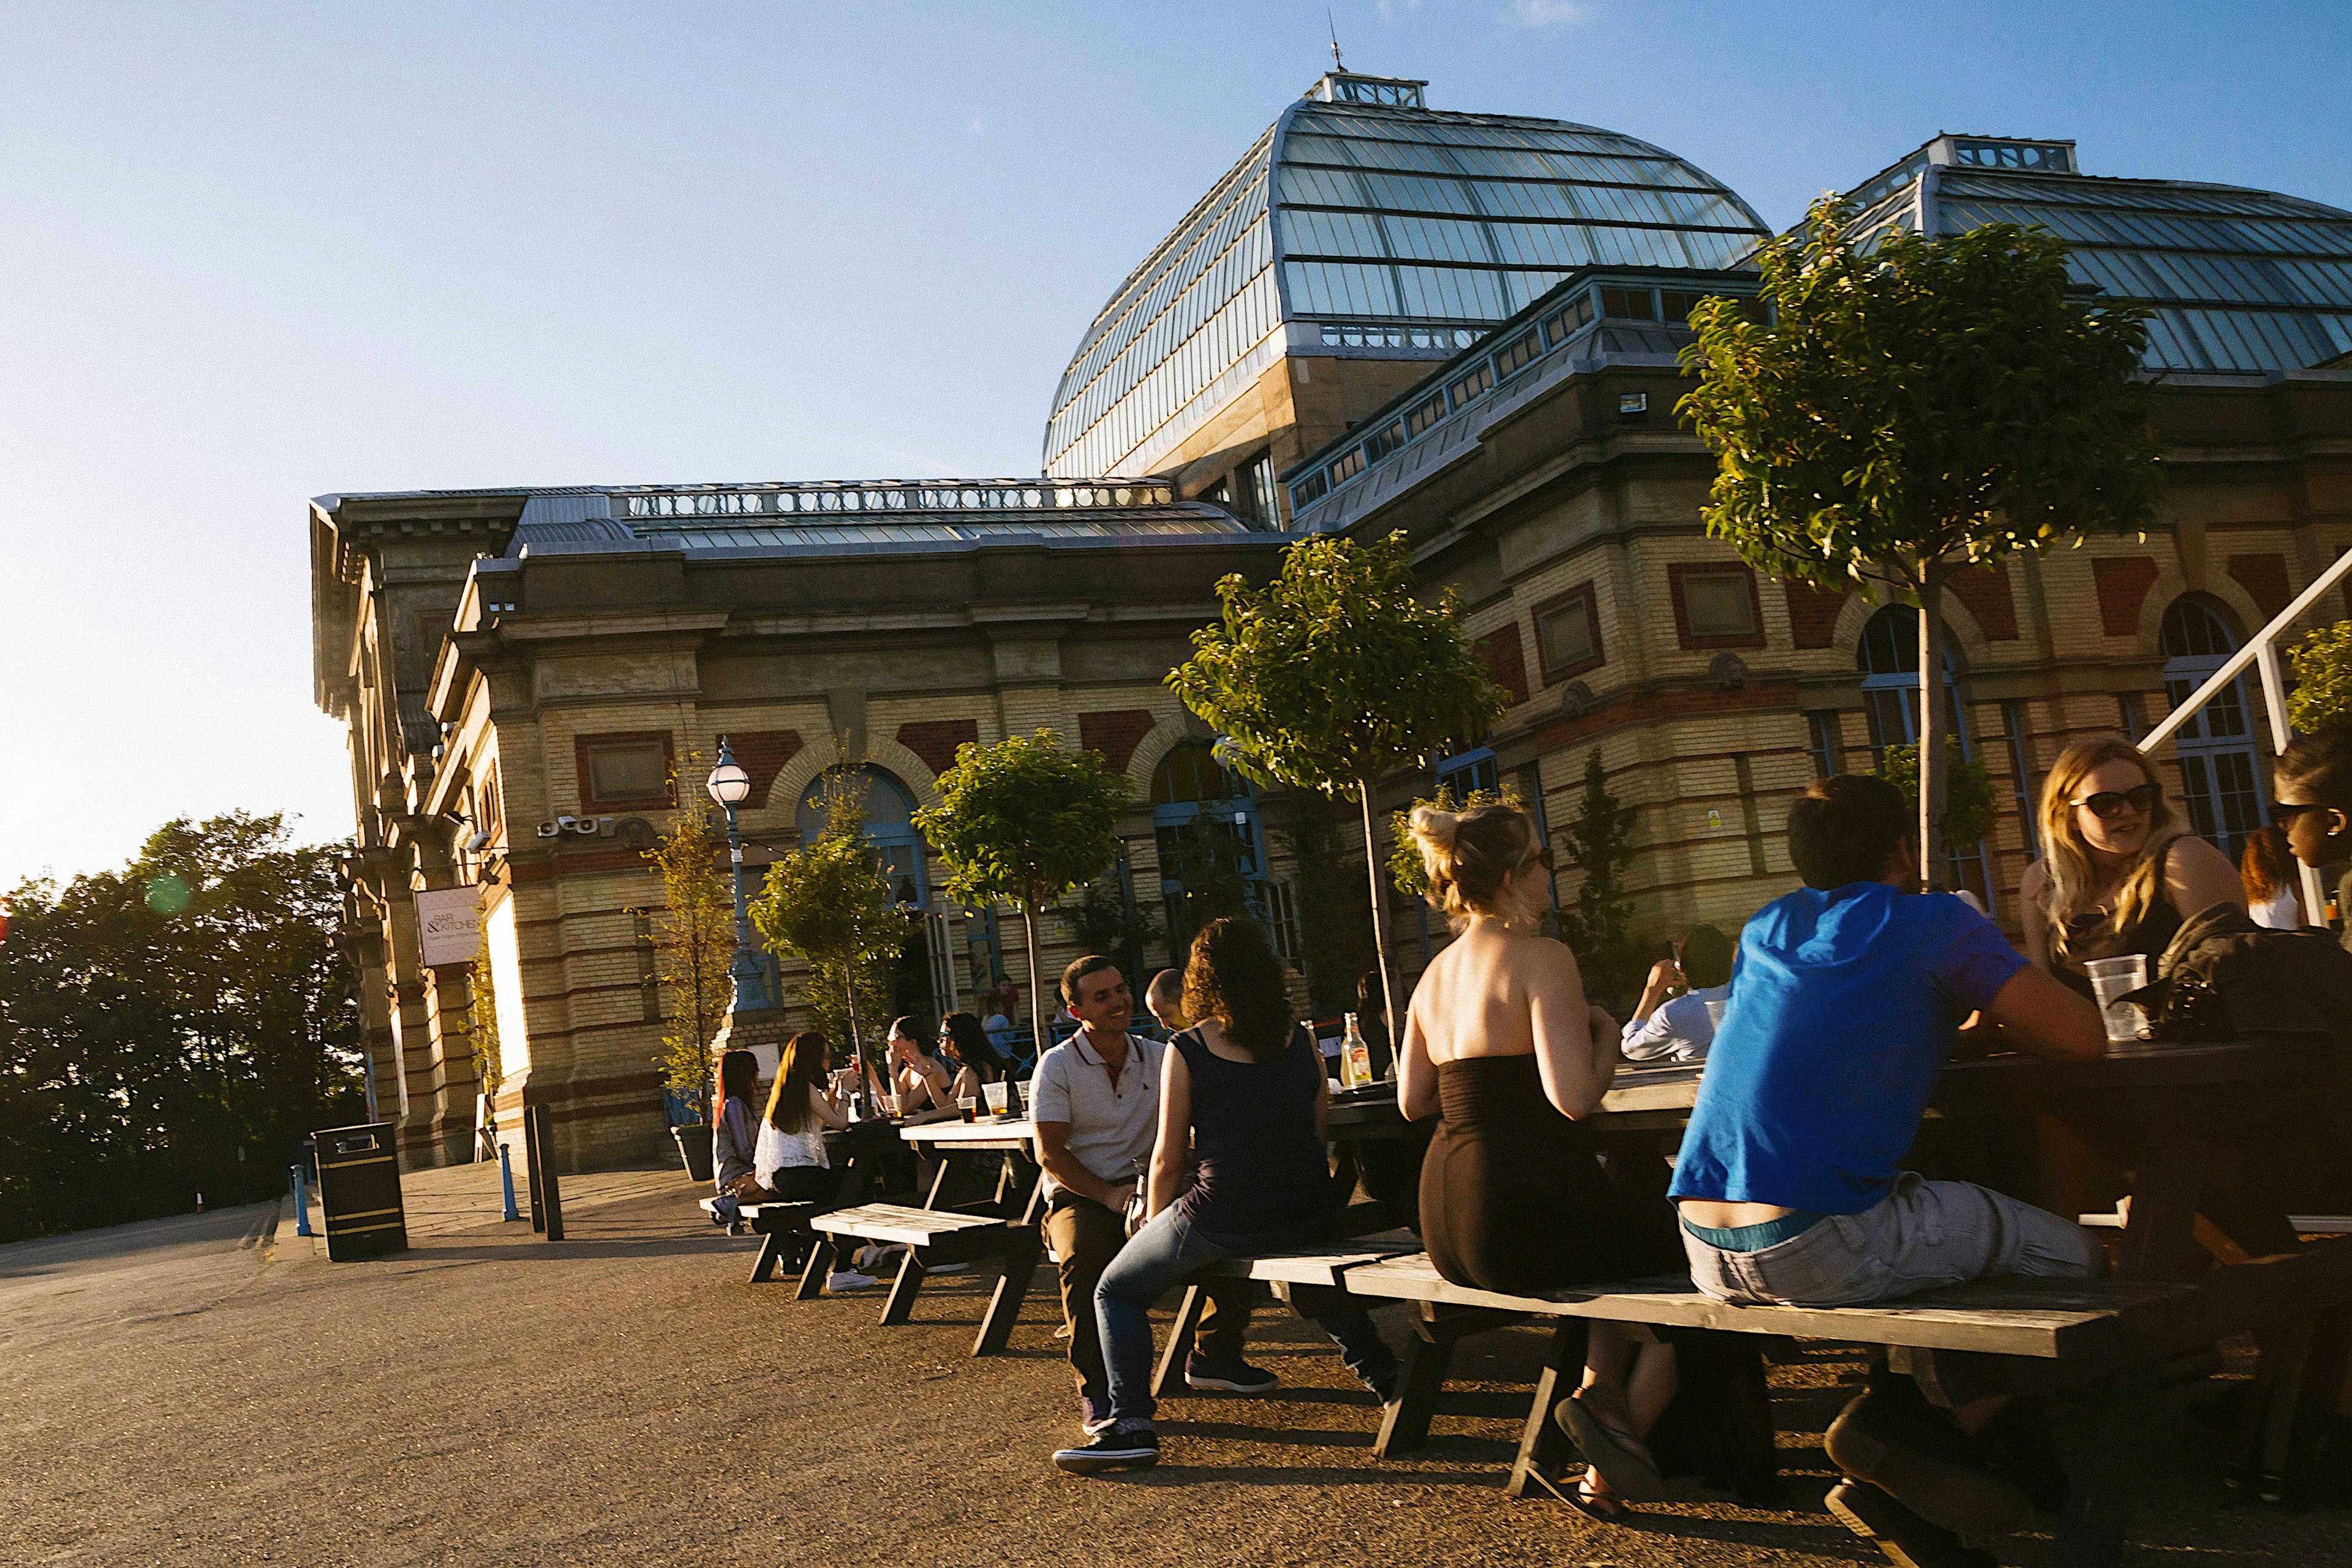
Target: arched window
{"x":1889,"y":660}
{"x":923,"y":979}
{"x":2220,"y":776}
{"x":1204,"y":824}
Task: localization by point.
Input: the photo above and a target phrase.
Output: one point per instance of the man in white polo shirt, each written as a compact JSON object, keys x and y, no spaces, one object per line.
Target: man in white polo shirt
{"x":1096,"y":1103}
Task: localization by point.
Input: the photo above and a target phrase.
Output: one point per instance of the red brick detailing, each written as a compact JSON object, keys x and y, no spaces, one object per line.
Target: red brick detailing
{"x":2123,"y":581}
{"x":1675,"y":577}
{"x":1506,"y":659}
{"x":1664,"y":705}
{"x":2264,"y":577}
{"x":936,"y":740}
{"x":1115,"y":733}
{"x":1985,"y":591}
{"x":591,"y":806}
{"x":1813,"y":613}
{"x":764,"y":753}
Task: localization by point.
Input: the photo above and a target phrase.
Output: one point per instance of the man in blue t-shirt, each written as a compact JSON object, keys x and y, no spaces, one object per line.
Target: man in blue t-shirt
{"x":1848,"y":998}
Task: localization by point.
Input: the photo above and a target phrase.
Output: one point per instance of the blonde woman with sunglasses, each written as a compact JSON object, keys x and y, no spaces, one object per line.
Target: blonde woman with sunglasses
{"x":2117,"y":875}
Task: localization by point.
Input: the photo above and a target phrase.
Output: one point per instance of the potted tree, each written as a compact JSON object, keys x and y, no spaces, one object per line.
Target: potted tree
{"x":828,"y":904}
{"x":694,"y":940}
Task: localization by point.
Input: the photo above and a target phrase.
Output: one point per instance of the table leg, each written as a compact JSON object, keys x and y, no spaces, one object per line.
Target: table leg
{"x":2160,"y":1242}
{"x":1021,"y":1249}
{"x":2096,"y":1514}
{"x":946,"y":1164}
{"x":1542,"y":1445}
{"x":901,"y":1300}
{"x":1168,"y":1382}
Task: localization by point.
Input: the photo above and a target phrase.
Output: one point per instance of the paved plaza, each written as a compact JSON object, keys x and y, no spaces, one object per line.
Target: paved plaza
{"x":211,"y":1389}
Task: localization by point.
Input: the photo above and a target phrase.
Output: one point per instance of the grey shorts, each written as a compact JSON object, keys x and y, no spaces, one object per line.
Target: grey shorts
{"x":1923,"y":1236}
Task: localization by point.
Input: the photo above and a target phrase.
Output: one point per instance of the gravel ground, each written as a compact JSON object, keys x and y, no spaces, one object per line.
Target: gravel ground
{"x":210,"y":1389}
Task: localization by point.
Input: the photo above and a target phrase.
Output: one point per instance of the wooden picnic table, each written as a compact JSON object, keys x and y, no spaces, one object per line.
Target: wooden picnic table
{"x":956,"y":1143}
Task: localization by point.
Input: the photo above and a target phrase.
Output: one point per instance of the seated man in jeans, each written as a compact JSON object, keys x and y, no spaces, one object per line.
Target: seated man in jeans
{"x":1848,"y":998}
{"x":1096,"y":1103}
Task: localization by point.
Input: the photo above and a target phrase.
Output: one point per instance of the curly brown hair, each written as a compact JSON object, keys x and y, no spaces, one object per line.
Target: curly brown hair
{"x":1233,"y":976}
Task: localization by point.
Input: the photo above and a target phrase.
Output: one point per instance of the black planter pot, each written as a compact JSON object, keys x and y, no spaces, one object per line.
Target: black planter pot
{"x":694,"y":1148}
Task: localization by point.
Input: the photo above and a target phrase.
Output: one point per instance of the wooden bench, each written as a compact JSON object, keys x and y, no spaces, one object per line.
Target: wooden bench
{"x":2106,"y":1338}
{"x":779,"y":1222}
{"x":1311,"y":1280}
{"x":931,"y":1237}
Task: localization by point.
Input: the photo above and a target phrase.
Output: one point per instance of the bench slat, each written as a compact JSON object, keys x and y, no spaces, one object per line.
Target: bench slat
{"x":1320,"y":1265}
{"x":2010,"y":1317}
{"x":897,"y":1223}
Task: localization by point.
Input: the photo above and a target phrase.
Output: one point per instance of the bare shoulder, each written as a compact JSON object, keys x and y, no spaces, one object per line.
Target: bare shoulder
{"x":2190,"y":856}
{"x":2030,"y":884}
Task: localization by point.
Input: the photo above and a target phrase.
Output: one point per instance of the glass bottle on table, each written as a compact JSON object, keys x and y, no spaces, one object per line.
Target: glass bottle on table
{"x":1355,"y":1058}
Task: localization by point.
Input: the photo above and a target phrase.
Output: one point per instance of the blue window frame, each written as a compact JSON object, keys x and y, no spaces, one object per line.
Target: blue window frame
{"x":2220,"y":774}
{"x":1889,"y":658}
{"x":1466,"y":772}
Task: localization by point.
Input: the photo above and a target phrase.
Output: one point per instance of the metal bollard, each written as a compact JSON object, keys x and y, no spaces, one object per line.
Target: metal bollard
{"x":302,"y":1203}
{"x":506,"y":1183}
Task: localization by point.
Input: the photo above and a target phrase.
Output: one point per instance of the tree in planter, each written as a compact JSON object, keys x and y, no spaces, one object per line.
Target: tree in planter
{"x":1599,"y":841}
{"x":2323,"y":680}
{"x":828,"y":904}
{"x":694,"y":941}
{"x":1025,"y":821}
{"x":1915,"y":406}
{"x":1969,"y":798}
{"x":1334,"y":675}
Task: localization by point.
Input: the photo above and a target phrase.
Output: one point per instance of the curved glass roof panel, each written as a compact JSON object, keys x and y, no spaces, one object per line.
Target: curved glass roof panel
{"x":1371,"y":214}
{"x":2241,"y":281}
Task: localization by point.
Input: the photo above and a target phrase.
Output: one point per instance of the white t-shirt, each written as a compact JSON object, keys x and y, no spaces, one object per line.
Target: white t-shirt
{"x":1681,"y":1029}
{"x":2281,"y":911}
{"x":779,"y":1150}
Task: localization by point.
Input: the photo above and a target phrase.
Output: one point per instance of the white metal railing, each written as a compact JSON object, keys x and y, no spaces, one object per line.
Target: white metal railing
{"x":892,"y":495}
{"x":2261,"y":650}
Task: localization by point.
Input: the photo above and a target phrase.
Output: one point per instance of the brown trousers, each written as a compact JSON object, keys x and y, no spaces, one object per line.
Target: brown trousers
{"x":1084,"y":1236}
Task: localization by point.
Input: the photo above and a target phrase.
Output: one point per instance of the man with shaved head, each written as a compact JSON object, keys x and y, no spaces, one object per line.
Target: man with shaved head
{"x":1165,"y":997}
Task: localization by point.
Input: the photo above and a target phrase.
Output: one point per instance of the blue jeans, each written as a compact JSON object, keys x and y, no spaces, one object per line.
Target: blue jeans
{"x":1171,"y":1251}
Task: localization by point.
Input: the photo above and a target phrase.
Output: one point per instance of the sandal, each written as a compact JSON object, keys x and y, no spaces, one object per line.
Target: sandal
{"x":1606,"y":1507}
{"x":1620,"y":1456}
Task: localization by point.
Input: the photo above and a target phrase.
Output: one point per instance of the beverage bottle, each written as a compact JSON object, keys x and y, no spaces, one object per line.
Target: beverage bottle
{"x":1355,"y":1057}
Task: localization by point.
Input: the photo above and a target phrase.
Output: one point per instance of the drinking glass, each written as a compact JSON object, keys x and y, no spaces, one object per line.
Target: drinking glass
{"x":2114,"y":977}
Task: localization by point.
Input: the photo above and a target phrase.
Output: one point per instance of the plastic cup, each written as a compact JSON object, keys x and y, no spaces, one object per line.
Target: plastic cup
{"x":2114,"y":977}
{"x":970,"y":1109}
{"x":993,"y":1095}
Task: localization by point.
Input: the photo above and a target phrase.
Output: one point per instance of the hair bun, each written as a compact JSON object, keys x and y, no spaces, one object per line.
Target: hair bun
{"x":1435,"y":827}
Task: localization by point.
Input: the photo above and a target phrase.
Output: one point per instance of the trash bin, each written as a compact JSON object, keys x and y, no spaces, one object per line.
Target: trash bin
{"x":359,"y":1191}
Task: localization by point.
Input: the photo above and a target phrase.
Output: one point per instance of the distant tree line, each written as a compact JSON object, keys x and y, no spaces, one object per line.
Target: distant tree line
{"x":155,"y":1020}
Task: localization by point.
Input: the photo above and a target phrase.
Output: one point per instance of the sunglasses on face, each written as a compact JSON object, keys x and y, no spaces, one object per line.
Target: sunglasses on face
{"x":2284,"y":815}
{"x":1541,"y":858}
{"x":2110,"y":803}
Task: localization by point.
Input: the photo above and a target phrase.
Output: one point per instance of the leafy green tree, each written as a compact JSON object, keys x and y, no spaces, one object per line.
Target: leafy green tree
{"x":1025,"y":821}
{"x":1334,"y":675}
{"x":482,"y":1020}
{"x":1406,"y":868}
{"x":1914,"y":406}
{"x":1599,"y":927}
{"x":828,"y":903}
{"x":1969,"y":801}
{"x":156,"y":1019}
{"x":1209,"y":860}
{"x":2323,"y":680}
{"x":694,"y":938}
{"x":1108,"y":921}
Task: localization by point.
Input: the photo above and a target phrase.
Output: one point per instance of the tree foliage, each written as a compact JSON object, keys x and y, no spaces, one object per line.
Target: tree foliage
{"x":1599,"y":927}
{"x":694,"y":939}
{"x":1108,"y":920}
{"x":1406,"y":867}
{"x":828,"y":904}
{"x":154,"y":1020}
{"x":1913,"y":406}
{"x":1969,"y":805}
{"x":1337,"y":673}
{"x":2323,"y":680}
{"x":1025,"y":821}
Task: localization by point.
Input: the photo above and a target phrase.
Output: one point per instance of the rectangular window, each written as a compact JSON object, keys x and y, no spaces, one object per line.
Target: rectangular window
{"x":1383,"y":441}
{"x":1716,"y":606}
{"x":2128,"y":715}
{"x":1466,"y":775}
{"x":1259,"y":500}
{"x":489,"y":810}
{"x":1628,"y":304}
{"x":1515,"y":355}
{"x":1473,"y":385}
{"x":1309,"y":490}
{"x":1347,"y":465}
{"x":1568,"y":634}
{"x":1827,"y":743}
{"x":1282,"y":919}
{"x":1424,"y":413}
{"x":1567,"y":319}
{"x":626,"y":771}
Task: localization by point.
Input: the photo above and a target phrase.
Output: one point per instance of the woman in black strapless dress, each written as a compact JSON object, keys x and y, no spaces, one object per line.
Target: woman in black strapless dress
{"x":1501,"y":1046}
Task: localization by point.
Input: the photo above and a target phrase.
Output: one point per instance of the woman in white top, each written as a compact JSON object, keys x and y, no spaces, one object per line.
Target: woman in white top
{"x":2268,"y":870}
{"x":1681,"y":1029}
{"x":790,"y":1160}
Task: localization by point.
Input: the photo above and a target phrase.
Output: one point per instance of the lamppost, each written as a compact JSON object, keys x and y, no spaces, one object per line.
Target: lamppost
{"x":729,"y":785}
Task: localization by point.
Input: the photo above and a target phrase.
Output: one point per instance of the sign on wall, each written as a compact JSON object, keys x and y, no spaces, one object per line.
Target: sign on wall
{"x":449,"y":925}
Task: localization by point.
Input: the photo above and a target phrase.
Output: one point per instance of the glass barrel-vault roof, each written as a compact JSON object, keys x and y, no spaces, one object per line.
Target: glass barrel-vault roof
{"x":1370,"y":225}
{"x":2241,"y":281}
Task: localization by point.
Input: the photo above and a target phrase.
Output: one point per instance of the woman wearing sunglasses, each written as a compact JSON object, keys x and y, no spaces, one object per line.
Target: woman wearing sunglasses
{"x":2312,"y":805}
{"x":2117,"y":874}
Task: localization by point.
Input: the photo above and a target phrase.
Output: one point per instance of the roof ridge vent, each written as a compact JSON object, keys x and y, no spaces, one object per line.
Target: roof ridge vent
{"x":1353,"y":87}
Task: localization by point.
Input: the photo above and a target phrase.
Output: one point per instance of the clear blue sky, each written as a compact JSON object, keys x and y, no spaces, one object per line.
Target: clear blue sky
{"x":258,"y":253}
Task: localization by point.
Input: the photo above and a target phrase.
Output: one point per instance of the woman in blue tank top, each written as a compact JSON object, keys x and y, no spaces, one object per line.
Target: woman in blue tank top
{"x":1242,"y":1103}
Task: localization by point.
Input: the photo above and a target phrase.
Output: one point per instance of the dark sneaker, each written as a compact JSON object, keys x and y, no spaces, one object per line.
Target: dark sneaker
{"x":1901,"y":1444}
{"x":1130,"y":1445}
{"x":1234,"y":1375}
{"x":1901,"y":1534}
{"x":1094,"y":1414}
